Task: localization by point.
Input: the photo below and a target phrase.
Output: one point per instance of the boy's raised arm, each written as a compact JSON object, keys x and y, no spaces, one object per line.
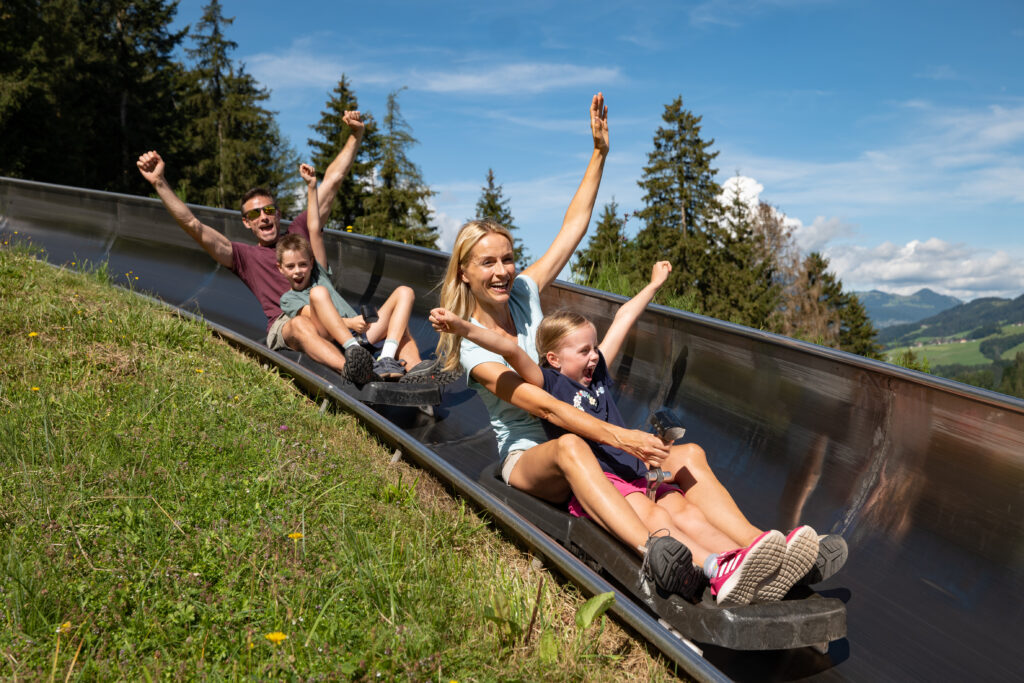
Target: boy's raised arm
{"x":151,"y":166}
{"x":316,"y":235}
{"x":630,"y":311}
{"x":444,"y":320}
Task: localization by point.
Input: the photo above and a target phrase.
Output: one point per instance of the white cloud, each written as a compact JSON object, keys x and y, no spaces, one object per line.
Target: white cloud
{"x":506,"y":79}
{"x":809,"y":238}
{"x":955,"y":269}
{"x":736,"y":12}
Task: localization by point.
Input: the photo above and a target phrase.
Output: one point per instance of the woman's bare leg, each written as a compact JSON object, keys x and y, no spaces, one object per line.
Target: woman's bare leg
{"x":688,"y":467}
{"x":554,"y":469}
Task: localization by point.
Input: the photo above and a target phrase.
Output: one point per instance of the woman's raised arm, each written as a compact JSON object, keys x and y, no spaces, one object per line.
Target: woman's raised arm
{"x":577,"y":217}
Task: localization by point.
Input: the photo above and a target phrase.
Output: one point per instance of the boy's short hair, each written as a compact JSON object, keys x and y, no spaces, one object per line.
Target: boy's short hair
{"x":255,"y":192}
{"x":293,"y":242}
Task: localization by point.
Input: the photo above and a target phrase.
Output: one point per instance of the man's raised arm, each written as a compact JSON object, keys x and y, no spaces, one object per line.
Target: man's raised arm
{"x":339,"y":168}
{"x":151,"y":166}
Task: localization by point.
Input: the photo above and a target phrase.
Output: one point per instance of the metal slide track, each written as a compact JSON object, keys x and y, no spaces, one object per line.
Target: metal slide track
{"x":922,"y":476}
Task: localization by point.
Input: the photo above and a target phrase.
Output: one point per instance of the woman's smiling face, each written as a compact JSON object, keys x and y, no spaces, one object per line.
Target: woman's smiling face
{"x":491,"y":268}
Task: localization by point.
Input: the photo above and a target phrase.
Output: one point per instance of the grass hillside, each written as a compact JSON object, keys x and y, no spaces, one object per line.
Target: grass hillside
{"x":171,"y":510}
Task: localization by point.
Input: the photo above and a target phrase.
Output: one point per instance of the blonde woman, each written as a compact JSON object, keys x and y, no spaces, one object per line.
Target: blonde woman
{"x":481,"y":285}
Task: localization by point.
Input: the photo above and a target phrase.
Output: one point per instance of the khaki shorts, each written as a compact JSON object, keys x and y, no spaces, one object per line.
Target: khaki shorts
{"x":510,"y":464}
{"x":275,"y":335}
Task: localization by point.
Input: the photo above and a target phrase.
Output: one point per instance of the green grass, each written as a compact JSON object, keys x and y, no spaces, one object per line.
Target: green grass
{"x":967,"y":353}
{"x":151,"y":479}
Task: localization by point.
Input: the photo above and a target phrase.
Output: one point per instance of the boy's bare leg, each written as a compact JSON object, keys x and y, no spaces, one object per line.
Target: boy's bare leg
{"x":327,"y":315}
{"x":688,"y":468}
{"x":393,"y":323}
{"x":301,"y":334}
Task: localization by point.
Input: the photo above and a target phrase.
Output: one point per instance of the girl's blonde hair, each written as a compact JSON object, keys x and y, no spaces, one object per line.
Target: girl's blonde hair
{"x":556,"y":327}
{"x":455,"y":294}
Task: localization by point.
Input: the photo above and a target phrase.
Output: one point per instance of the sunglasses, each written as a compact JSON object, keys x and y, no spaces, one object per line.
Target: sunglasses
{"x":253,"y":214}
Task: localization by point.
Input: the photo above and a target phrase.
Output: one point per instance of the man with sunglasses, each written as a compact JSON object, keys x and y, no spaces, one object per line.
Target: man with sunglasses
{"x":256,"y":264}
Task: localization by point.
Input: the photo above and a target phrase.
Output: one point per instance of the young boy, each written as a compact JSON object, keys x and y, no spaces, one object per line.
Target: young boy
{"x":312,"y":295}
{"x":575,"y":371}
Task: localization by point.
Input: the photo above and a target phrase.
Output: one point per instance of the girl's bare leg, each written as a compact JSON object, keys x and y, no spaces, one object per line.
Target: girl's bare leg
{"x":688,"y":467}
{"x":656,"y":517}
{"x":692,"y":522}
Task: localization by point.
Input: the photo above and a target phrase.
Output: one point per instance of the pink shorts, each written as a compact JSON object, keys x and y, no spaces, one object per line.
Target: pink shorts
{"x":625,"y":488}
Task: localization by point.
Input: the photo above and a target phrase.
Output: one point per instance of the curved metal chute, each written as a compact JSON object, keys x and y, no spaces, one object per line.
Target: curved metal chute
{"x":923,"y":477}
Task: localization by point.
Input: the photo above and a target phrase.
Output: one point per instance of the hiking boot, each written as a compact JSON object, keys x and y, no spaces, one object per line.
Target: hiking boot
{"x":358,"y":366}
{"x":741,"y":571}
{"x":669,"y":564}
{"x":801,"y":550}
{"x":430,"y":371}
{"x":832,"y":554}
{"x":388,"y":369}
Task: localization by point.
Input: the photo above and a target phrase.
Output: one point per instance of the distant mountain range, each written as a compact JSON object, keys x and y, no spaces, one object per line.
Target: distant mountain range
{"x":886,"y":309}
{"x":974,"y":320}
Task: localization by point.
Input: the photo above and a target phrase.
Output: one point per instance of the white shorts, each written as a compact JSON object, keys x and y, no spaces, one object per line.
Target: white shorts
{"x":510,"y":464}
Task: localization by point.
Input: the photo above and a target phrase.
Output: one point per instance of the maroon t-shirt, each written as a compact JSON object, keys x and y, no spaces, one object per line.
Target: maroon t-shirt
{"x":256,"y":265}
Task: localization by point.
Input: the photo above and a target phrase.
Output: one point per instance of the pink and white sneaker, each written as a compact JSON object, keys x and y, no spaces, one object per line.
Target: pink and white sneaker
{"x":801,"y":552}
{"x":741,"y":571}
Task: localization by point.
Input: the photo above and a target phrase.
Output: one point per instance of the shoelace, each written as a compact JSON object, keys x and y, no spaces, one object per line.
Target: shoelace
{"x":645,"y":565}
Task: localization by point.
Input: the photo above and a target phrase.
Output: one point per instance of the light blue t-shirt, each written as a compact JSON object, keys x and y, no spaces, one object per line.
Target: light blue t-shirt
{"x":514,"y":428}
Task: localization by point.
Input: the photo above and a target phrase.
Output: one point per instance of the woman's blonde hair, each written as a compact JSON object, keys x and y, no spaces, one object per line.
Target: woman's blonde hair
{"x":455,"y":294}
{"x":556,"y":327}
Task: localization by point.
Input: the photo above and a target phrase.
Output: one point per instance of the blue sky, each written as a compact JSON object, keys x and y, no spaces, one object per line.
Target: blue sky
{"x":891,"y":134}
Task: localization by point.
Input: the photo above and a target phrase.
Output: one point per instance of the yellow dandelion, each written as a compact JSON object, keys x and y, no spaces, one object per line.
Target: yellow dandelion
{"x":295,"y":535}
{"x":276,"y":637}
{"x":199,"y":370}
{"x":64,"y":628}
{"x":251,"y":646}
{"x":33,"y":334}
{"x":35,"y":388}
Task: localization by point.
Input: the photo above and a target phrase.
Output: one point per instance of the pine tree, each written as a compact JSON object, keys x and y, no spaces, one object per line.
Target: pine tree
{"x":744,"y":288}
{"x":680,"y":202}
{"x":397,"y":207}
{"x":606,"y":259}
{"x":332,"y":134}
{"x":234,"y":143}
{"x":87,"y":86}
{"x":494,"y":206}
{"x":826,"y":315}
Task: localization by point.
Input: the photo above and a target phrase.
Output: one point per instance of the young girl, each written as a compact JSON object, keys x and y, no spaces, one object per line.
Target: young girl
{"x":312,"y":295}
{"x":750,"y":565}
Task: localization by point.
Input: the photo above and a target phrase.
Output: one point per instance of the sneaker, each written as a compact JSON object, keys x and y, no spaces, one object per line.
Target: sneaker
{"x":741,"y":571}
{"x":358,"y":366}
{"x":669,"y":564}
{"x":832,"y":554}
{"x":388,"y":368}
{"x":430,"y":371}
{"x":801,"y":551}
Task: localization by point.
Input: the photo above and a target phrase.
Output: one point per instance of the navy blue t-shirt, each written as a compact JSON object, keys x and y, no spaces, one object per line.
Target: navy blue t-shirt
{"x":594,"y":400}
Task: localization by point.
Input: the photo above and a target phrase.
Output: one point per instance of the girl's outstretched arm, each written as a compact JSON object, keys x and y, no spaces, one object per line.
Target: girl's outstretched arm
{"x":508,"y":348}
{"x":630,"y":311}
{"x":545,"y":269}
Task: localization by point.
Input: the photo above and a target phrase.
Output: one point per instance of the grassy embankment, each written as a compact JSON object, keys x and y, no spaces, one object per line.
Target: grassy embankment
{"x":167,"y":506}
